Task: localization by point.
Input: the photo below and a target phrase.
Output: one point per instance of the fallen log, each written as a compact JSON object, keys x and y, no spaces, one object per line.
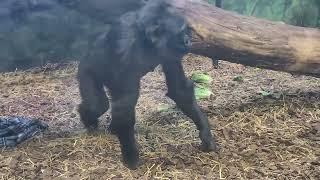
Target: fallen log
{"x":251,"y":41}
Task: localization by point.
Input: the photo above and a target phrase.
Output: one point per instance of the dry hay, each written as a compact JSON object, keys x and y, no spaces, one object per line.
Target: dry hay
{"x":259,"y":137}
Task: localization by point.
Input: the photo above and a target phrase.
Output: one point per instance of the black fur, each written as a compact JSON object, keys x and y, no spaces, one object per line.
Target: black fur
{"x":137,"y":43}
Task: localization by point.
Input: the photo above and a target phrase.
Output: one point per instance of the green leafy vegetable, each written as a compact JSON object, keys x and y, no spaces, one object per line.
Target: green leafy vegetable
{"x":238,"y":79}
{"x":264,"y":93}
{"x":202,"y":92}
{"x":202,"y":82}
{"x":199,"y":77}
{"x":163,"y":108}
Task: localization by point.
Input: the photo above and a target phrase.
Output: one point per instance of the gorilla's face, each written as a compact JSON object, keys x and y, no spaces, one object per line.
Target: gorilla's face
{"x":177,"y":35}
{"x":170,"y":35}
{"x":167,"y":32}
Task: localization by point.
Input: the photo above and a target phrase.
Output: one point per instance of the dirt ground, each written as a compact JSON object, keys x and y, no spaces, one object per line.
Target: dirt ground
{"x":260,"y":137}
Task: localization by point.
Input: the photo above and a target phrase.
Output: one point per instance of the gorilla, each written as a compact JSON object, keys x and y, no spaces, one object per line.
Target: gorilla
{"x":138,"y":41}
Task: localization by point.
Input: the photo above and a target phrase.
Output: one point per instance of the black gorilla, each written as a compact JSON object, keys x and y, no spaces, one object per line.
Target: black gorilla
{"x":137,"y":43}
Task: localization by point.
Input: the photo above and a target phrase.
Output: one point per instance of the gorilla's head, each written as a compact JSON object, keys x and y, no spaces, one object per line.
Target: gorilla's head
{"x":164,"y":29}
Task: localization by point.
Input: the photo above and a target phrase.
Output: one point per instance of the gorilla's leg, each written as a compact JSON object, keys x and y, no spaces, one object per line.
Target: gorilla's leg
{"x":180,"y":89}
{"x":94,"y":100}
{"x":124,"y":100}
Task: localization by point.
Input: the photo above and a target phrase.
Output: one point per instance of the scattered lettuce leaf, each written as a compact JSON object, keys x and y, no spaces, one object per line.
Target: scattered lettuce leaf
{"x":202,"y":92}
{"x":264,"y":93}
{"x":200,"y":77}
{"x":238,"y":79}
{"x":163,"y":108}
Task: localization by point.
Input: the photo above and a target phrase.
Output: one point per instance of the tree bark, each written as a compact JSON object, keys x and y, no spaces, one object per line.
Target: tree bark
{"x":250,"y":41}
